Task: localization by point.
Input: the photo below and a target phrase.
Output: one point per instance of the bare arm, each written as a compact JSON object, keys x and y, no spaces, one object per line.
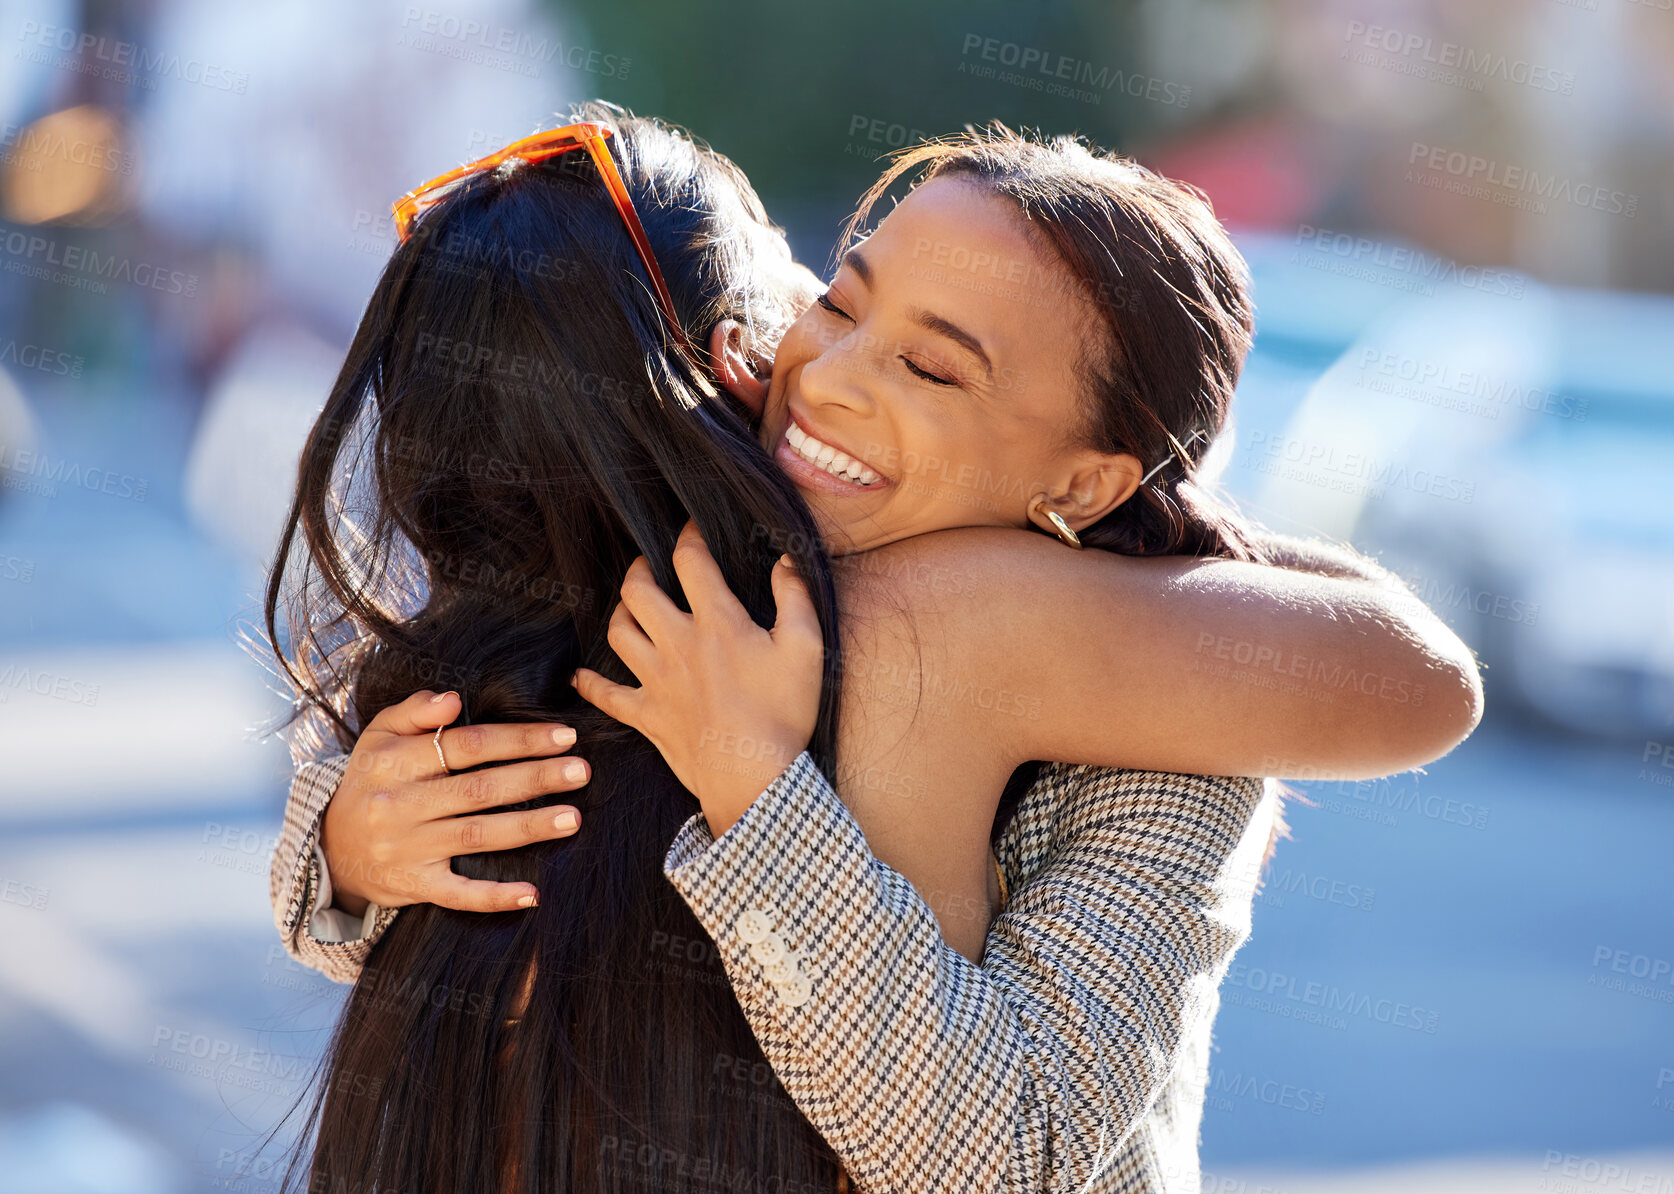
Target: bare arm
{"x":1176,"y":663}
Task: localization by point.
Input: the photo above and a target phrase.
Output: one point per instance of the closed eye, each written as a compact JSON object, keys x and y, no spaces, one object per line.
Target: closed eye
{"x":825,"y":301}
{"x":928,"y":376}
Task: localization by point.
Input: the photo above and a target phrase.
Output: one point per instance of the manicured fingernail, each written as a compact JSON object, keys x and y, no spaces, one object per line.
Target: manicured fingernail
{"x":567,"y":821}
{"x":528,"y":901}
{"x":564,"y":736}
{"x":442,"y":696}
{"x":575,"y":771}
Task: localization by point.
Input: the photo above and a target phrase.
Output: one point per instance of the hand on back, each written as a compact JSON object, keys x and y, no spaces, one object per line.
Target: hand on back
{"x":728,"y":704}
{"x":397,"y":819}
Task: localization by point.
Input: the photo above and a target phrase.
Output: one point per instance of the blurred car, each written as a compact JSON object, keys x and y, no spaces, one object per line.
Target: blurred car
{"x":1512,"y":457}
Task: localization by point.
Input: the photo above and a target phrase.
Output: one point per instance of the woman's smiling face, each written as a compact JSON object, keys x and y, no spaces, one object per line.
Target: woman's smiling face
{"x":944,"y":363}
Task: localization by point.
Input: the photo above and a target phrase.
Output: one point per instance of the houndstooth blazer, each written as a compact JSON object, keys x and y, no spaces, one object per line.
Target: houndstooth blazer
{"x":1074,"y":1057}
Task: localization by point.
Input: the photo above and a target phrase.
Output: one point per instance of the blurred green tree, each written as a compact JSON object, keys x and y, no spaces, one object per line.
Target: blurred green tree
{"x":806,"y":98}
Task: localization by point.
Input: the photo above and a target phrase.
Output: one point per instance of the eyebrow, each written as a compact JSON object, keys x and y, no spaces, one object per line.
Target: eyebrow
{"x":927,"y":320}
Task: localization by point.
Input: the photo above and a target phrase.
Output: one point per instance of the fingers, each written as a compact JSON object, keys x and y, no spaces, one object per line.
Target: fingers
{"x":420,"y":713}
{"x":414,"y":720}
{"x":700,"y":576}
{"x":481,"y":895}
{"x":796,"y":620}
{"x":610,"y":698}
{"x":631,"y":644}
{"x":495,"y":786}
{"x":501,"y":831}
{"x":471,"y":746}
{"x":652,"y":608}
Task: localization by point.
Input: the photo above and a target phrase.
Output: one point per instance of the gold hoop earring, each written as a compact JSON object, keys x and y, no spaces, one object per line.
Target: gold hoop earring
{"x":1065,"y":535}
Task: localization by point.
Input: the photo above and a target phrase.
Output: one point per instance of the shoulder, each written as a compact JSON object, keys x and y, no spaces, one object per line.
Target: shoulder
{"x":972,"y":584}
{"x":957,"y":561}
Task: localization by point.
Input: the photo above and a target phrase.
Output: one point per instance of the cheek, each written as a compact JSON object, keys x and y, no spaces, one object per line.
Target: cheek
{"x":801,"y":342}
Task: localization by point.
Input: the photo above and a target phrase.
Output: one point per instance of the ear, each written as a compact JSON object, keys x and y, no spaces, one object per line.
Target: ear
{"x":733,"y":369}
{"x":1091,"y":485}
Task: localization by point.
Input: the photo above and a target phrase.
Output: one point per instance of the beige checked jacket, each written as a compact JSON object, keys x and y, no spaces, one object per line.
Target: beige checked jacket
{"x":1073,"y":1058}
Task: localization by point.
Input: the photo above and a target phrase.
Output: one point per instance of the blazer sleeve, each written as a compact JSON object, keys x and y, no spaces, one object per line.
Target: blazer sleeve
{"x":296,"y":877}
{"x":1025,"y":1073}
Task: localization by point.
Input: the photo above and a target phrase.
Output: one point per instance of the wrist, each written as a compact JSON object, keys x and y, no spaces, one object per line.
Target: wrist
{"x":337,"y":881}
{"x":731,"y":784}
{"x":352,"y":904}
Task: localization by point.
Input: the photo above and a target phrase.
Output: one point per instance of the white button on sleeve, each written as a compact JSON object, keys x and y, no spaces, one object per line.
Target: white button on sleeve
{"x":769,"y":949}
{"x":754,"y":925}
{"x":797,"y":991}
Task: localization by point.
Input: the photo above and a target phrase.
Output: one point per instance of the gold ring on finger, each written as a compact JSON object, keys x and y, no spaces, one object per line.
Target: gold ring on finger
{"x":436,"y":741}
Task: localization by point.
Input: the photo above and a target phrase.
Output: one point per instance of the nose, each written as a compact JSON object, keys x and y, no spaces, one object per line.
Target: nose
{"x":842,"y":375}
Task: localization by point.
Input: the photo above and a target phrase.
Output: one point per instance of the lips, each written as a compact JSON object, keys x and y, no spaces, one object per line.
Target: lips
{"x":834,"y":461}
{"x":815,"y":463}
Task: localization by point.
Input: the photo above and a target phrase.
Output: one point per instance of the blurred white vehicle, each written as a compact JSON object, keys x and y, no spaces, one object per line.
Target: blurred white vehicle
{"x":1513,"y":457}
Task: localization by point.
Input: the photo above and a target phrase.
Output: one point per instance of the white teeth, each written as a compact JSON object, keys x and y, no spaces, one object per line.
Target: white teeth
{"x":838,"y":464}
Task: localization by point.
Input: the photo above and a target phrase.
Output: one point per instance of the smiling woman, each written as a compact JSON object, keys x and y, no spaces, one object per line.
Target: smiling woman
{"x":1034,"y":335}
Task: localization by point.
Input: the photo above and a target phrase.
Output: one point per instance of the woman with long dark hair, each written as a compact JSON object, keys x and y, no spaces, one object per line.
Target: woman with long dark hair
{"x":508,"y":409}
{"x":562,"y":1033}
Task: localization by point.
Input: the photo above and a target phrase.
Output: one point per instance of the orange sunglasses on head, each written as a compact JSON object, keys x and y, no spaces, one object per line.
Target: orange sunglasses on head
{"x":588,"y":135}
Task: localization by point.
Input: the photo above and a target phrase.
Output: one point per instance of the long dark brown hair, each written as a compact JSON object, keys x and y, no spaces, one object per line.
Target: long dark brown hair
{"x":509,"y":430}
{"x":1172,"y":293}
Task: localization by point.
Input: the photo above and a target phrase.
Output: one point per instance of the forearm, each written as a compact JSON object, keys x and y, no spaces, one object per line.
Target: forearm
{"x":924,"y":1071}
{"x":1249,"y":670}
{"x":1200,"y":665}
